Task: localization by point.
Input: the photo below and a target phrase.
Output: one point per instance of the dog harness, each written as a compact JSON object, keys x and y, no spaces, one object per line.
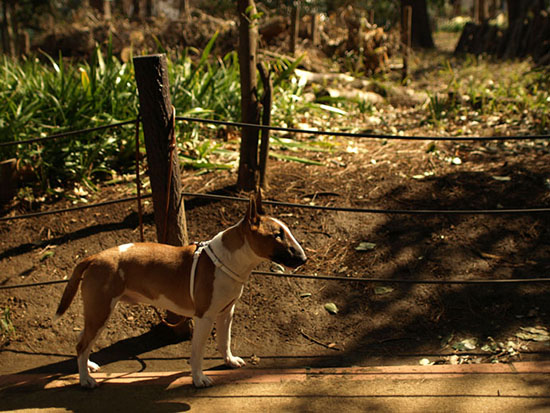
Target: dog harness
{"x":205,"y":246}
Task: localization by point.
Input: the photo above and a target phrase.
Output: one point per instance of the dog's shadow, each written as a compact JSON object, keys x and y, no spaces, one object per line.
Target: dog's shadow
{"x":127,"y":349}
{"x":130,"y":348}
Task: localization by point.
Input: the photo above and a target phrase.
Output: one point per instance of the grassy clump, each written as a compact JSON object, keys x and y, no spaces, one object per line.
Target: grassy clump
{"x":478,"y":90}
{"x":40,"y":97}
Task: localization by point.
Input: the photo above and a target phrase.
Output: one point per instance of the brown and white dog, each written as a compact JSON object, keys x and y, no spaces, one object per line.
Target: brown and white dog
{"x":198,"y":281}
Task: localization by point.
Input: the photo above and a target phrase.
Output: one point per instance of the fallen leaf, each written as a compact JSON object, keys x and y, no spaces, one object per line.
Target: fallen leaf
{"x":365,"y":246}
{"x":465,"y":345}
{"x":254,"y":360}
{"x":381,"y":290}
{"x":425,"y":362}
{"x":331,"y":308}
{"x":47,"y":255}
{"x":446,"y":340}
{"x":454,"y":360}
{"x":502,"y":178}
{"x":277,"y":268}
{"x":533,"y":333}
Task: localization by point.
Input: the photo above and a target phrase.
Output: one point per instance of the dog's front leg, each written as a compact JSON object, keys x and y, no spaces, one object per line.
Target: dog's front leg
{"x":223,"y":331}
{"x":203,"y":327}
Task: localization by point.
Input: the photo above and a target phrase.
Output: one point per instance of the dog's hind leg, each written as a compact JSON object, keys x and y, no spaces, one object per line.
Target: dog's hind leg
{"x":223,"y":333}
{"x":96,"y":315}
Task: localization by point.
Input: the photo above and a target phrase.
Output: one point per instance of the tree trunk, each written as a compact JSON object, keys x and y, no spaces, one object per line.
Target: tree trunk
{"x":315,"y":30}
{"x":137,"y":11}
{"x":518,"y":9}
{"x":406,"y":23}
{"x":8,"y":28}
{"x":294,"y":27}
{"x":248,"y":39}
{"x":102,"y":6}
{"x":184,"y":9}
{"x":481,"y":11}
{"x":149,"y":8}
{"x":421,"y":28}
{"x":457,"y":8}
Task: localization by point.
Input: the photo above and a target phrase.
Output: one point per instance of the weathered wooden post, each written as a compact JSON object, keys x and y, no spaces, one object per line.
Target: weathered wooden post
{"x":248,"y":41}
{"x":157,"y":115}
{"x":406,"y":39}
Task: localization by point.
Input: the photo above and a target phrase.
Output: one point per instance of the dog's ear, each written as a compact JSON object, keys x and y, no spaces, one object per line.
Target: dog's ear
{"x":252,"y":215}
{"x":259,"y":205}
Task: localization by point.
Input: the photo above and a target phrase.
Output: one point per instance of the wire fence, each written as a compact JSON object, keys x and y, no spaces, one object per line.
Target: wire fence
{"x":287,"y":130}
{"x":499,"y":211}
{"x":67,"y":134}
{"x":362,"y":134}
{"x":373,"y":280}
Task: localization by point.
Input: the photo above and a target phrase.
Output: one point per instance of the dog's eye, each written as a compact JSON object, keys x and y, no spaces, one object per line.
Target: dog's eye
{"x":280,"y":235}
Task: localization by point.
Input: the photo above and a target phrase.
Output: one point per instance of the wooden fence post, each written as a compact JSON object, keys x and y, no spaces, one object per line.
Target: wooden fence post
{"x":157,"y":114}
{"x":406,"y":38}
{"x":248,"y":41}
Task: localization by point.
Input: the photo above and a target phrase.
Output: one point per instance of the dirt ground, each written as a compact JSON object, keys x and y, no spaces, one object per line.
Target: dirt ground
{"x":283,"y":320}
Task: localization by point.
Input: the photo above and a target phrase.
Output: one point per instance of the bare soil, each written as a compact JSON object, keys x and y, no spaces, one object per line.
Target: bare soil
{"x":283,"y":320}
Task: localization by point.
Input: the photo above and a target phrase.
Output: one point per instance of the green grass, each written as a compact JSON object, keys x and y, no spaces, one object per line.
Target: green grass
{"x":476,"y":88}
{"x":41,"y":96}
{"x":7,"y":329}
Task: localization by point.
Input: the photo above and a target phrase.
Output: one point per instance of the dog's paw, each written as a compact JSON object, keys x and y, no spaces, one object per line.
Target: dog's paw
{"x":92,"y":367}
{"x":234,"y":362}
{"x":201,"y":381}
{"x":88,"y":382}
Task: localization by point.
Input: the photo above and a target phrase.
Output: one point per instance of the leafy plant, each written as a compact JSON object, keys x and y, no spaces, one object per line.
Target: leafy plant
{"x":7,"y":328}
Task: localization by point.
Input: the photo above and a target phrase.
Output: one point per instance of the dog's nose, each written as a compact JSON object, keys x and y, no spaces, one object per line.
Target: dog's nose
{"x":299,"y":254}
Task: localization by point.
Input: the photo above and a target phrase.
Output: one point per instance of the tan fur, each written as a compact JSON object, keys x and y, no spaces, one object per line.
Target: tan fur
{"x":262,"y":237}
{"x":72,"y":287}
{"x":233,"y":239}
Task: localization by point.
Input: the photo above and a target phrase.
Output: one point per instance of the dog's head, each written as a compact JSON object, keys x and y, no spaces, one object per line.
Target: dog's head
{"x":270,"y":238}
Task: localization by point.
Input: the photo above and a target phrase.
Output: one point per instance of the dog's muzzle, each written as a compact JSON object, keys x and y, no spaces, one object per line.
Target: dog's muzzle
{"x":290,"y":257}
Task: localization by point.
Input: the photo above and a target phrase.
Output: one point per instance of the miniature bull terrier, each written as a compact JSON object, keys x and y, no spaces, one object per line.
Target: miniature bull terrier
{"x":201,"y":281}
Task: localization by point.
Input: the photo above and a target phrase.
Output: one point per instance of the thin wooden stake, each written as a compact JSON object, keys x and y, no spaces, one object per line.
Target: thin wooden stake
{"x":171,"y":150}
{"x":406,"y":39}
{"x":138,"y":182}
{"x":267,"y":99}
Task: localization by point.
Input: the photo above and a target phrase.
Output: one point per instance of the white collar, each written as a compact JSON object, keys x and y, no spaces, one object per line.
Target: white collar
{"x":217,"y":262}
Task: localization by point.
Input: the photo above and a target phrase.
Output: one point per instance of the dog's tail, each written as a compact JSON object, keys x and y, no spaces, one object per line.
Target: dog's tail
{"x":72,"y":287}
